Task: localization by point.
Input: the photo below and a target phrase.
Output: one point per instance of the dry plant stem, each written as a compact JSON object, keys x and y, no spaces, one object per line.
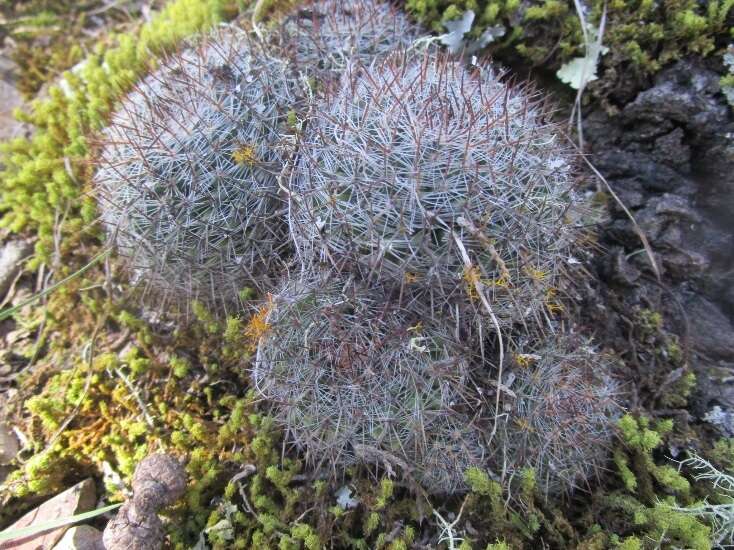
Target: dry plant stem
{"x":246,"y":472}
{"x":447,"y":529}
{"x":638,"y":229}
{"x":257,"y":16}
{"x":138,"y":398}
{"x":6,"y":313}
{"x":480,"y":291}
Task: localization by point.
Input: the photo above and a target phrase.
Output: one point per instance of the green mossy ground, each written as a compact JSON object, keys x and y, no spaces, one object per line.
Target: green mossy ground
{"x":50,"y":36}
{"x":642,"y":35}
{"x":103,"y":386}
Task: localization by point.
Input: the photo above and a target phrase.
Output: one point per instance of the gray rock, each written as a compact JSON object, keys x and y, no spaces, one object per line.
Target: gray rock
{"x":9,"y":445}
{"x":674,"y":206}
{"x":653,"y":176}
{"x":621,"y":270}
{"x":10,"y":99}
{"x":683,"y":264}
{"x":686,"y":94}
{"x":669,"y":153}
{"x":723,"y":419}
{"x":711,"y":332}
{"x":714,"y":388}
{"x":5,"y":471}
{"x":81,"y":537}
{"x":670,"y":149}
{"x":75,"y":500}
{"x":11,"y":256}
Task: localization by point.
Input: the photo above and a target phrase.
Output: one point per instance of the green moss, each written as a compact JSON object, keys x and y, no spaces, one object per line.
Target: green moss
{"x":306,"y":533}
{"x":628,"y":476}
{"x":642,"y":440}
{"x":642,"y":35}
{"x":386,"y":492}
{"x":179,"y":367}
{"x":479,"y":482}
{"x":636,"y":432}
{"x":723,"y":453}
{"x":49,"y":36}
{"x":371,"y":523}
{"x":630,"y":543}
{"x":650,"y":322}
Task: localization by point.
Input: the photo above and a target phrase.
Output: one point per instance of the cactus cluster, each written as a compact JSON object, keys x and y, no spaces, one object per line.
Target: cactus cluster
{"x":358,"y":380}
{"x":421,"y":217}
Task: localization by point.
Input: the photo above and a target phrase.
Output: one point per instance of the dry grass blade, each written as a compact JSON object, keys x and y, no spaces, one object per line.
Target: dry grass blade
{"x":9,"y":312}
{"x":637,"y":228}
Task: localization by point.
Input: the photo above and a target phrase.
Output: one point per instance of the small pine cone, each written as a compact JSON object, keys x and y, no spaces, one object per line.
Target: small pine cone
{"x":133,"y":529}
{"x":159,"y":480}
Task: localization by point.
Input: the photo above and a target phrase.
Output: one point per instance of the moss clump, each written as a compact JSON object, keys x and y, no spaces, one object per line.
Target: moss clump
{"x":50,"y":36}
{"x":642,"y":35}
{"x":652,"y":491}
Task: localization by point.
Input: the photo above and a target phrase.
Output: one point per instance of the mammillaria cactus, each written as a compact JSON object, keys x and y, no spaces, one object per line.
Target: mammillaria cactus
{"x":355,"y":381}
{"x":322,"y":37}
{"x":561,"y":413}
{"x":441,"y":181}
{"x":188,"y":167}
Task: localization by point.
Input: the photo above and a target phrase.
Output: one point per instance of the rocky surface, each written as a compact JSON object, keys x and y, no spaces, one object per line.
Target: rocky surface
{"x":10,"y":99}
{"x":81,"y":537}
{"x":9,"y":444}
{"x":9,"y":448}
{"x":75,"y":500}
{"x":669,"y":155}
{"x":11,"y":256}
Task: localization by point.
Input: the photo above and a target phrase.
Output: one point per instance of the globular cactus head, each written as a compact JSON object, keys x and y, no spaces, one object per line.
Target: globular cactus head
{"x":561,"y":414}
{"x":355,"y":381}
{"x":322,"y":37}
{"x":441,"y":180}
{"x":187,"y":172}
